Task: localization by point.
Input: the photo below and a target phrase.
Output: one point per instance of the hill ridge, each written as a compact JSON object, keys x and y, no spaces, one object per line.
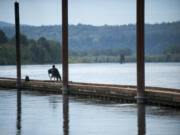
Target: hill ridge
{"x":87,"y":37}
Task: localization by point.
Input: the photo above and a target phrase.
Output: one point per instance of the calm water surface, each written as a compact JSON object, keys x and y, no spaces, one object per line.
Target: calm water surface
{"x":157,"y":74}
{"x":42,"y":114}
{"x":28,"y":113}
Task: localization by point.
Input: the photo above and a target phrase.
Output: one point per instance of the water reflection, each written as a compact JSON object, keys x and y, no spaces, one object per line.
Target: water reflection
{"x":141,"y":119}
{"x":86,"y":116}
{"x":66,"y":114}
{"x":18,"y":122}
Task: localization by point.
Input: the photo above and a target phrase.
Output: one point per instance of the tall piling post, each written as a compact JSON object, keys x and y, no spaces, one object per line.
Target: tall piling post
{"x":19,"y":110}
{"x":141,"y":119}
{"x":65,"y":45}
{"x":18,"y":49}
{"x":140,"y":52}
{"x":66,"y":114}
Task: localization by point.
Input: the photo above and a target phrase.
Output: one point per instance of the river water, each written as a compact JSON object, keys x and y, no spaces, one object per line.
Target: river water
{"x":27,"y":113}
{"x":156,"y":74}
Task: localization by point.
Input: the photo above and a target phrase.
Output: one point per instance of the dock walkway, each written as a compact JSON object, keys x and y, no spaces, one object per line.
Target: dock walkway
{"x":123,"y":93}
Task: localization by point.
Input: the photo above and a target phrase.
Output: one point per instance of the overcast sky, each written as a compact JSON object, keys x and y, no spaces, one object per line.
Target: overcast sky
{"x":95,"y":12}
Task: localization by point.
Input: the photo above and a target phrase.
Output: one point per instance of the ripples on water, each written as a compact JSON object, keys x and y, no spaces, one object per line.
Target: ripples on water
{"x":42,"y":114}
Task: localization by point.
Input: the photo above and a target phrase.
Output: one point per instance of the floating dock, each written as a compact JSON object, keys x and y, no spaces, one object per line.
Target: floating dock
{"x":121,"y":93}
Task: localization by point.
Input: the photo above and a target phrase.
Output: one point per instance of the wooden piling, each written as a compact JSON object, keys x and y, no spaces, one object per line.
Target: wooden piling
{"x":65,"y":45}
{"x":66,"y":114}
{"x":18,"y":125}
{"x":140,"y":51}
{"x":141,"y":119}
{"x":18,"y":49}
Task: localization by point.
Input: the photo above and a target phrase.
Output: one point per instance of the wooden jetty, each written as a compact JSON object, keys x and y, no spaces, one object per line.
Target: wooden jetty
{"x":123,"y":93}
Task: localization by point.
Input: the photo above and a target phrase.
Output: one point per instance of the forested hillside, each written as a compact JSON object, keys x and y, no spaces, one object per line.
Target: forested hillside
{"x":43,"y":51}
{"x":88,"y":37}
{"x":32,"y":52}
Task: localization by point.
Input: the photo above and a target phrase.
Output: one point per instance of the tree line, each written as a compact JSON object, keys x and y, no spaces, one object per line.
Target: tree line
{"x":39,"y":51}
{"x":103,"y":52}
{"x":43,"y":51}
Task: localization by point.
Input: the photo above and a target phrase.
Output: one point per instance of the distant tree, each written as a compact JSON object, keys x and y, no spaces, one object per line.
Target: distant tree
{"x":175,"y":49}
{"x":42,"y":41}
{"x":23,"y":40}
{"x":3,"y":38}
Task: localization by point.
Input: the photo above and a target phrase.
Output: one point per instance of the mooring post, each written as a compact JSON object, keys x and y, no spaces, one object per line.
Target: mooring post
{"x":65,"y":45}
{"x":66,"y":114}
{"x":18,"y":49}
{"x":140,"y":51}
{"x":141,"y":118}
{"x":18,"y":124}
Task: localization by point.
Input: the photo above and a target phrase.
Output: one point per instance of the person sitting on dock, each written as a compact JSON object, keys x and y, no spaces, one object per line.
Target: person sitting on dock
{"x":27,"y":78}
{"x":53,"y":72}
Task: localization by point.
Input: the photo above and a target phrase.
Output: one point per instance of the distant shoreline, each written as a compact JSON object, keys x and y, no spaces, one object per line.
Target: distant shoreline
{"x":91,"y":63}
{"x":116,"y":59}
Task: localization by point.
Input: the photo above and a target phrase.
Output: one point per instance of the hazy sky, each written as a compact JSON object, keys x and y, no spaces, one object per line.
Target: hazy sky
{"x":95,"y":12}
